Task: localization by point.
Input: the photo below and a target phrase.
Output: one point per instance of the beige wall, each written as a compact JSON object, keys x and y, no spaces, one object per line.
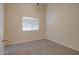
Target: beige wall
{"x":62,"y":24}
{"x":1,"y":28}
{"x":1,"y":21}
{"x":13,"y":26}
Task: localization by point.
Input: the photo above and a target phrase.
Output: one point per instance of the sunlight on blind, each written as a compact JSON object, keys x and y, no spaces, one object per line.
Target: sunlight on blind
{"x":30,"y":24}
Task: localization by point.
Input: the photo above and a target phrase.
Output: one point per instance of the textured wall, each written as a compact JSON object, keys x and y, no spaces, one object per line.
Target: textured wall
{"x":62,"y":24}
{"x":1,"y":28}
{"x":13,"y":26}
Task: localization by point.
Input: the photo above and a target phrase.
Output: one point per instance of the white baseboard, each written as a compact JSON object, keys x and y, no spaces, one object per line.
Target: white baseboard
{"x":65,"y":45}
{"x":24,"y":41}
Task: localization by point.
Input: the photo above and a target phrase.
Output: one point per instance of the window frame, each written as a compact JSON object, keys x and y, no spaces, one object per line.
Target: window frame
{"x":30,"y":19}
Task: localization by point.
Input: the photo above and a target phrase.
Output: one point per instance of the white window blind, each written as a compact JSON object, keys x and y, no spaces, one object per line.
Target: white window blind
{"x":30,"y":24}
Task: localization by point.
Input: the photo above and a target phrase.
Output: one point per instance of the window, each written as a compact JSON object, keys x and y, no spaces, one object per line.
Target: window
{"x":30,"y":24}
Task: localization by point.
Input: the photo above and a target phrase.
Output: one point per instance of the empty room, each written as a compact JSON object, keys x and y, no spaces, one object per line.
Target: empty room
{"x":39,"y":28}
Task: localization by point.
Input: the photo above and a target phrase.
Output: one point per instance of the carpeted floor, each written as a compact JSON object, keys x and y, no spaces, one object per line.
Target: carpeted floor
{"x":39,"y":47}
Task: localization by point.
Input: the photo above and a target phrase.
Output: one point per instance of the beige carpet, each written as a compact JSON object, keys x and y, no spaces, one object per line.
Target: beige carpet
{"x":39,"y":47}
